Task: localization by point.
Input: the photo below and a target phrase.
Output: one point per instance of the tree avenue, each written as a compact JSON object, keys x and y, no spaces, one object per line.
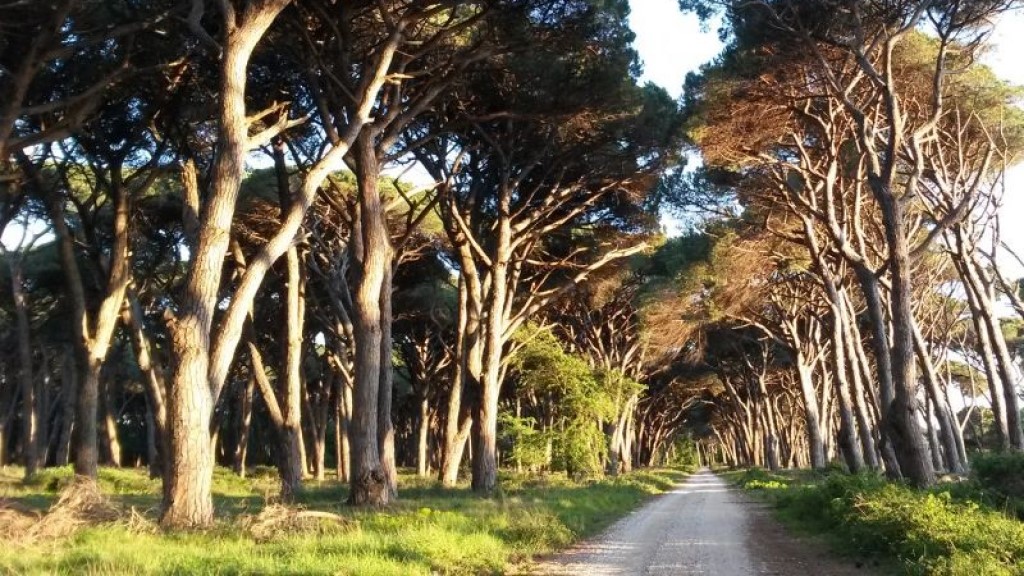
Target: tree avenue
{"x":366,"y":236}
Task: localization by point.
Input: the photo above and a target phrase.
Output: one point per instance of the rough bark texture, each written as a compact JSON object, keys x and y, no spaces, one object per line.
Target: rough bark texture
{"x":111,"y":437}
{"x":422,"y":439}
{"x":292,"y":465}
{"x":815,"y":441}
{"x":901,"y":418}
{"x":69,"y":391}
{"x":458,"y":421}
{"x":29,"y":422}
{"x":369,"y":483}
{"x":385,"y":427}
{"x":244,"y":426}
{"x":187,"y":500}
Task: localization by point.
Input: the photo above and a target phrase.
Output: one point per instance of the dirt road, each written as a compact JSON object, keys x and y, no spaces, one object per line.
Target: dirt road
{"x":702,"y":527}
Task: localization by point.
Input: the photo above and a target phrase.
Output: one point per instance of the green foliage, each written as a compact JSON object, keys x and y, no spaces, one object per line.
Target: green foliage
{"x":578,"y":397}
{"x":939,"y":531}
{"x":529,"y":444}
{"x":580,"y":449}
{"x":683,"y":453}
{"x":429,"y":531}
{"x":1000,"y":477}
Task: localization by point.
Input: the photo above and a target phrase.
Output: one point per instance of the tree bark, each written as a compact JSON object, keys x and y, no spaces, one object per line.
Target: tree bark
{"x":187,"y":498}
{"x":984,"y":297}
{"x":244,"y":426}
{"x":29,"y":419}
{"x":816,"y":444}
{"x":422,"y":439}
{"x":69,"y":389}
{"x":369,"y":482}
{"x":901,"y":416}
{"x":292,"y":462}
{"x":342,"y":422}
{"x":155,"y":385}
{"x":946,"y":435}
{"x":112,"y":442}
{"x":468,"y":365}
{"x":385,"y":427}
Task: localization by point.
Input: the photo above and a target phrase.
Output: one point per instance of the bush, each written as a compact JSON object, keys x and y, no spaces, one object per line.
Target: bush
{"x":927,"y":532}
{"x":1002,"y":472}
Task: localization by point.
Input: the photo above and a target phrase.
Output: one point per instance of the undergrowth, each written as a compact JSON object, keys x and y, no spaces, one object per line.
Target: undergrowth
{"x":431,"y":530}
{"x":955,"y":528}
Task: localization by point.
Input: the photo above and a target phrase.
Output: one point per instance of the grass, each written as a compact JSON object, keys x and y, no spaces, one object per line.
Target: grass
{"x":429,"y":531}
{"x":954,"y":529}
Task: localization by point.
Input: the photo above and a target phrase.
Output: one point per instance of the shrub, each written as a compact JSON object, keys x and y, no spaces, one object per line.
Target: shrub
{"x":1002,"y":472}
{"x":927,"y":532}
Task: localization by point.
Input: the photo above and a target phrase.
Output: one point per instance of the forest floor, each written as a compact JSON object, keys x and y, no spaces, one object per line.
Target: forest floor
{"x":47,"y":529}
{"x":703,"y":527}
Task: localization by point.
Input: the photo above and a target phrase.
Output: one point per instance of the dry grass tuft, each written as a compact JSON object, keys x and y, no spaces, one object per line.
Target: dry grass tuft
{"x":79,"y":504}
{"x":280,"y":520}
{"x":15,"y":520}
{"x":141,"y":523}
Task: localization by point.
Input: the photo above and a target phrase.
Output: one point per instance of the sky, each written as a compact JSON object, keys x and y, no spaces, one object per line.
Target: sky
{"x":672,"y":44}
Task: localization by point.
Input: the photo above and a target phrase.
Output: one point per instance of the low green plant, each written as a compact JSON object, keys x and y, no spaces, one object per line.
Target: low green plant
{"x":430,"y":530}
{"x":938,"y":531}
{"x":1000,"y":476}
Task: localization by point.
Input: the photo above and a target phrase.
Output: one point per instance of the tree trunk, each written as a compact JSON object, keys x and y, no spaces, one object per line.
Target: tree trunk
{"x":422,"y":462}
{"x":1001,"y":357}
{"x":44,"y":412}
{"x":883,"y":362}
{"x":187,"y":499}
{"x":29,"y":419}
{"x":319,"y":416}
{"x":946,"y":434}
{"x":468,"y":365}
{"x":485,"y":457}
{"x":369,"y":482}
{"x":385,"y":427}
{"x":86,"y":433}
{"x":244,"y":426}
{"x":901,"y":417}
{"x":152,"y":440}
{"x":112,"y":443}
{"x":815,"y":441}
{"x":860,"y":402}
{"x":69,"y":389}
{"x":628,"y":436}
{"x":342,"y":421}
{"x":155,"y":385}
{"x":292,"y":458}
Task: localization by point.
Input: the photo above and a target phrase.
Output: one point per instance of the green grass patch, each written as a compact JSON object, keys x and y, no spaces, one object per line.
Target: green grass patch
{"x":431,"y":530}
{"x":952,"y":529}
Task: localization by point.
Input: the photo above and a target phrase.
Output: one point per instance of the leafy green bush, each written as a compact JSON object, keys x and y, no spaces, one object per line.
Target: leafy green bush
{"x":529,"y":444}
{"x":926,"y":532}
{"x":1001,"y":472}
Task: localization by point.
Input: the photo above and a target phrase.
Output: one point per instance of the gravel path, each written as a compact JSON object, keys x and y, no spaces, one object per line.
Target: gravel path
{"x":702,"y":527}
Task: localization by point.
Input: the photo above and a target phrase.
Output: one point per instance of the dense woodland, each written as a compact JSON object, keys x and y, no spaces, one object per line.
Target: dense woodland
{"x":340,"y":238}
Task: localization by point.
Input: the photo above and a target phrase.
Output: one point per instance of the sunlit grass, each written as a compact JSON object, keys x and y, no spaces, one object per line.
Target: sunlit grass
{"x":951,"y":529}
{"x":430,"y":529}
